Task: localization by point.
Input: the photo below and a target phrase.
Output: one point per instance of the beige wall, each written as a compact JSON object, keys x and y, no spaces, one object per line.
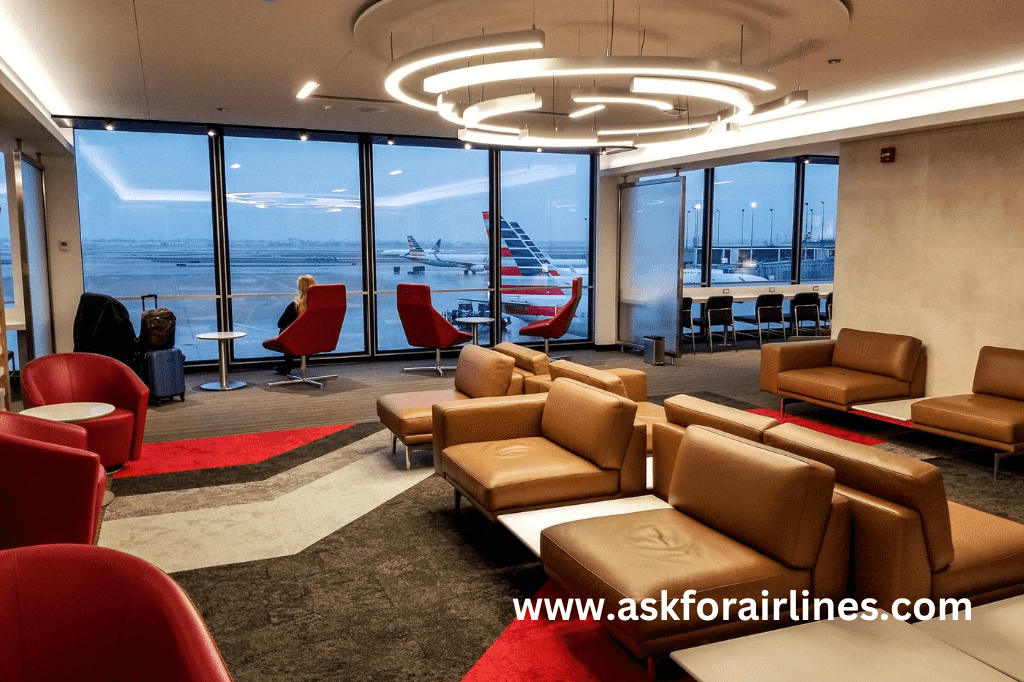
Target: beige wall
{"x":65,"y":265}
{"x":933,"y":244}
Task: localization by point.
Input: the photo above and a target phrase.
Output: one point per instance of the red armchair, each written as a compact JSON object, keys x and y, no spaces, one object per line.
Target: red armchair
{"x":51,"y":489}
{"x":556,"y":327}
{"x":86,"y":377}
{"x":316,"y":330}
{"x":424,"y":326}
{"x":91,"y":614}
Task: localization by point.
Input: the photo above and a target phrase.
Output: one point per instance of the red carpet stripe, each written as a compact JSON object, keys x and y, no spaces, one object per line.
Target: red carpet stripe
{"x":220,"y":451}
{"x":819,"y":427}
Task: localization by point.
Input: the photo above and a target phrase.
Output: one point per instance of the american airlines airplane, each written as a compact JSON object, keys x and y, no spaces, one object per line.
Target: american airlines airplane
{"x":437,"y":257}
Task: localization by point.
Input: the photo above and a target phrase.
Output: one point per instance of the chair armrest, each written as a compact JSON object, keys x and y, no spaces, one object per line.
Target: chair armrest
{"x":537,"y":384}
{"x":635,"y":382}
{"x":667,"y":438}
{"x":633,"y":474}
{"x":832,"y":570}
{"x":486,"y":419}
{"x":45,"y":430}
{"x":918,"y":380}
{"x":782,"y":357}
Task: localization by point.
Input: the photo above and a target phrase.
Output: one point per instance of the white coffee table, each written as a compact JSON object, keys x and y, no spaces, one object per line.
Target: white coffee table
{"x":70,"y":412}
{"x":475,"y":322}
{"x":890,"y":410}
{"x":994,"y":635}
{"x":527,"y":525}
{"x":222,"y":360}
{"x":838,"y":651}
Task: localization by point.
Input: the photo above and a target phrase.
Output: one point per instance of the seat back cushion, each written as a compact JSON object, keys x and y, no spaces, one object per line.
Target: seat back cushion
{"x":774,"y":501}
{"x":1000,"y":372}
{"x":597,"y":378}
{"x":891,"y":355}
{"x":533,"y":361}
{"x":588,"y":421}
{"x":483,"y":373}
{"x":907,"y":482}
{"x":685,"y":410}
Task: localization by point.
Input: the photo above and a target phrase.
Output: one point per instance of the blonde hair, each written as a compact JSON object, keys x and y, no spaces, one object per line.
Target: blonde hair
{"x":303,"y":284}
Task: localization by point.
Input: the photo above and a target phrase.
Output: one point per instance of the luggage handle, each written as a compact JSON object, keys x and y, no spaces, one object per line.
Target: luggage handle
{"x":156,"y":301}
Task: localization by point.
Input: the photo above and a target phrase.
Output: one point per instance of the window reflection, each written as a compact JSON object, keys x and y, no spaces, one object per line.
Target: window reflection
{"x":821,"y":193}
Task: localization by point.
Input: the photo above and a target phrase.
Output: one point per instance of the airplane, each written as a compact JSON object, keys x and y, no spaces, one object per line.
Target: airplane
{"x":437,"y":257}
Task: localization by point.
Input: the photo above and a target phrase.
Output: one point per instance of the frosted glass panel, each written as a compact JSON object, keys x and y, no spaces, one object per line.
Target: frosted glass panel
{"x":649,"y":261}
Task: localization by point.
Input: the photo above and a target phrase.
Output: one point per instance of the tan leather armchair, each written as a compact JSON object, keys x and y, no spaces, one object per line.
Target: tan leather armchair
{"x":529,"y":363}
{"x":572,"y":444}
{"x":745,"y":518}
{"x":630,"y":383}
{"x":855,"y":367}
{"x":909,"y":541}
{"x":992,"y":414}
{"x":480,"y":373}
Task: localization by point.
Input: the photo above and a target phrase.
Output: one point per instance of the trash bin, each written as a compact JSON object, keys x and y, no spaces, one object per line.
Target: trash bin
{"x":654,"y":350}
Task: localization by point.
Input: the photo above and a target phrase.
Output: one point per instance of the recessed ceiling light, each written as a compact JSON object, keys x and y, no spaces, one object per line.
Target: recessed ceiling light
{"x":391,"y":140}
{"x":307,"y":89}
{"x":835,"y":60}
{"x":236,"y":165}
{"x":394,"y":172}
{"x":468,"y":146}
{"x":211,"y":131}
{"x":109,"y":125}
{"x":222,"y":108}
{"x":303,"y":136}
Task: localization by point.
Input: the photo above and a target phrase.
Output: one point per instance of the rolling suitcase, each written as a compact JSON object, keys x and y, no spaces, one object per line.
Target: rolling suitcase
{"x":164,"y":373}
{"x":158,"y":326}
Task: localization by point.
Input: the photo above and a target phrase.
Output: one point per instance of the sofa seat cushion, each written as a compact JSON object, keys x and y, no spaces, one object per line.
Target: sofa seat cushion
{"x":985,"y":416}
{"x":638,"y":555}
{"x":409,"y":415}
{"x":989,"y":554}
{"x":524,"y":472}
{"x":841,"y":386}
{"x":649,"y":414}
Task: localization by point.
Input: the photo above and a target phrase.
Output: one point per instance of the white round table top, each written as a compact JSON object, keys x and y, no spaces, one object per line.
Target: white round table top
{"x":220,"y":336}
{"x":70,"y":412}
{"x":474,"y":320}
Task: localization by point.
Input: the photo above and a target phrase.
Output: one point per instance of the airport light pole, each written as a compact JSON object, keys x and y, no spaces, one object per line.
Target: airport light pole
{"x":771,"y":227}
{"x":743,"y":217}
{"x":822,"y":240}
{"x":753,"y":205}
{"x":718,"y":229}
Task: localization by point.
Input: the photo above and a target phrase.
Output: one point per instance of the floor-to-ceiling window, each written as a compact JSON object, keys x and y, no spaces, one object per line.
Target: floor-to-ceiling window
{"x":293,"y":208}
{"x":545,"y":232}
{"x":821,"y":195}
{"x":430,"y":228}
{"x":753,"y":222}
{"x":146,"y":220}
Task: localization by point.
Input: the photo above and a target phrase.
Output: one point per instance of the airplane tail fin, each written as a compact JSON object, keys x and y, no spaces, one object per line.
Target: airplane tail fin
{"x":415,"y":250}
{"x":521,"y":257}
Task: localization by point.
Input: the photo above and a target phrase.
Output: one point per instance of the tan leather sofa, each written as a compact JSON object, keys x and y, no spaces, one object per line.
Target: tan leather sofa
{"x":682,"y":411}
{"x":572,"y":444}
{"x":480,"y":373}
{"x":630,"y":383}
{"x":745,"y":518}
{"x":992,"y":414}
{"x":529,"y":363}
{"x":908,"y":540}
{"x":855,"y":367}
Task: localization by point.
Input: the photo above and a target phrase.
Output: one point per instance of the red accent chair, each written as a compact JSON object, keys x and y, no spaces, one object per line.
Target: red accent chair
{"x":424,"y":326}
{"x":316,"y":330}
{"x":51,"y":489}
{"x":556,"y":327}
{"x":86,"y":377}
{"x":92,"y":614}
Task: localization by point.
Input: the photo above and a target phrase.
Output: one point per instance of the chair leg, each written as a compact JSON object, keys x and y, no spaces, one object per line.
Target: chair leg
{"x":693,"y":340}
{"x":302,"y":378}
{"x":458,"y":501}
{"x":735,"y":344}
{"x":995,"y":466}
{"x":435,"y":368}
{"x":394,"y":447}
{"x":408,"y":457}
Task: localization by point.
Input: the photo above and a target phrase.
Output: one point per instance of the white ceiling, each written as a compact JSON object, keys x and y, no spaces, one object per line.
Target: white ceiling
{"x":242,"y":61}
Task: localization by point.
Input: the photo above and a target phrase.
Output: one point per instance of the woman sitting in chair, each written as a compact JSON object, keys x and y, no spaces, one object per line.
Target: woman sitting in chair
{"x":294,"y":309}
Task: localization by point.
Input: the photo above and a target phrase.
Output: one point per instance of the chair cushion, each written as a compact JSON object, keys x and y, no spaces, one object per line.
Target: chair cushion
{"x":907,"y":482}
{"x":638,"y":555}
{"x":110,"y":437}
{"x":483,"y":373}
{"x":977,"y":414}
{"x":524,"y":472}
{"x":841,"y":386}
{"x":588,"y":421}
{"x":891,"y":355}
{"x":410,"y":414}
{"x":774,"y":501}
{"x":686,"y":410}
{"x":989,"y":554}
{"x":999,"y":373}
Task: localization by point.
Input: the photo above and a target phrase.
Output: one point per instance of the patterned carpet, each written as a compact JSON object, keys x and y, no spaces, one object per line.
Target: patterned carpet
{"x":331,"y":562}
